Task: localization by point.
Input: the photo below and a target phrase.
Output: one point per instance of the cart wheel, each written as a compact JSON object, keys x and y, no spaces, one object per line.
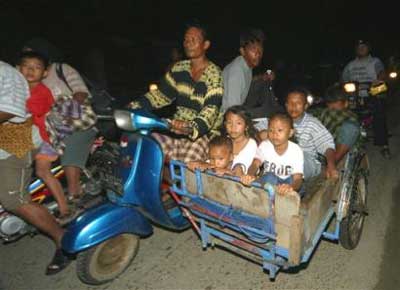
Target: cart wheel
{"x":106,"y":261}
{"x":352,"y":225}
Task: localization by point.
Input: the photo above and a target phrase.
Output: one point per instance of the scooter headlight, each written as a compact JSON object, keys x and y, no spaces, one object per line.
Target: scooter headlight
{"x":393,"y":75}
{"x":123,"y":119}
{"x":350,"y":87}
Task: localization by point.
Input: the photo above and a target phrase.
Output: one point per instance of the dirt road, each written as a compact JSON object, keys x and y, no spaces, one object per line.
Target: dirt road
{"x":169,"y":260}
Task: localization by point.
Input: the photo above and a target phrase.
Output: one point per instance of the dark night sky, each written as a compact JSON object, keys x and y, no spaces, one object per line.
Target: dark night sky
{"x":297,"y":31}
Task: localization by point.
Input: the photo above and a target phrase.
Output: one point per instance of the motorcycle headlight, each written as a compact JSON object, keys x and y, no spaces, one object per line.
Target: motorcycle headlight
{"x":123,"y":119}
{"x":310,"y":99}
{"x":393,"y":75}
{"x":350,"y":87}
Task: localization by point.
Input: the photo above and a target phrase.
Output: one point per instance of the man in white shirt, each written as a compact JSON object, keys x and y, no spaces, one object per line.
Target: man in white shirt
{"x":367,"y":69}
{"x":238,"y":74}
{"x":18,"y":138}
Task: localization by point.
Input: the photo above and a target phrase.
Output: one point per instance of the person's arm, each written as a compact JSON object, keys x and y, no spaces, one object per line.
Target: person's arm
{"x":208,"y":115}
{"x":346,"y":73}
{"x":80,"y":92}
{"x":165,"y":94}
{"x":380,"y":70}
{"x":233,"y":88}
{"x":237,"y":170}
{"x":4,"y":116}
{"x":331,"y":171}
{"x":347,"y":137}
{"x":325,"y":145}
{"x":255,"y":165}
{"x":244,"y":158}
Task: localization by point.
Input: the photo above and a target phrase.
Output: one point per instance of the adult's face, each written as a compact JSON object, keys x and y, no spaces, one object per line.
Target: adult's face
{"x":337,"y":105}
{"x":296,"y":105}
{"x":252,"y":53}
{"x":362,"y":50}
{"x":194,"y":43}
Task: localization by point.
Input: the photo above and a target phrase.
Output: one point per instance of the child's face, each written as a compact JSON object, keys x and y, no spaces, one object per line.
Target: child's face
{"x":338,"y":105}
{"x":235,"y":126}
{"x":279,"y":132}
{"x":33,"y":70}
{"x":220,"y":156}
{"x":296,"y":105}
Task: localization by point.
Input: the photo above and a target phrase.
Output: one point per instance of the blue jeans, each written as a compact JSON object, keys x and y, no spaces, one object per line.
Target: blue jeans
{"x":271,"y":178}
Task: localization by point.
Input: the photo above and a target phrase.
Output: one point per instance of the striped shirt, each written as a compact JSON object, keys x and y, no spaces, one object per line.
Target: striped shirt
{"x":312,"y":136}
{"x":196,"y":102}
{"x":58,"y":87}
{"x":14,"y":92}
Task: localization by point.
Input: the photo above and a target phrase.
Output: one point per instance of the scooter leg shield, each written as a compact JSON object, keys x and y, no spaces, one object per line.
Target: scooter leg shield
{"x":101,"y":223}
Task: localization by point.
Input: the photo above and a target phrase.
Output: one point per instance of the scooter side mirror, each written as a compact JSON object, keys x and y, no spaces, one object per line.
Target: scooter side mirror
{"x":134,"y":120}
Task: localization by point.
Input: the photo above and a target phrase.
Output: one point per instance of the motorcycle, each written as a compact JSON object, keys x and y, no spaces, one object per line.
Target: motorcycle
{"x":13,"y":228}
{"x":105,"y":238}
{"x":358,"y":92}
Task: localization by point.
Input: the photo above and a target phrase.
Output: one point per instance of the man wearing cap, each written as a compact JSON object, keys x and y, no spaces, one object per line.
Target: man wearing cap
{"x":368,"y":69}
{"x":339,"y":120}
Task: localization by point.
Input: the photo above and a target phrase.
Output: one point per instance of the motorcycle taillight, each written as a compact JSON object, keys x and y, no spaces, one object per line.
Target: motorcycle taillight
{"x":124,"y":141}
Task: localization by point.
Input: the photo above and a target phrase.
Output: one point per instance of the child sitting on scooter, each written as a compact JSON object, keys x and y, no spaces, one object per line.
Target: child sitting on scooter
{"x":33,"y":66}
{"x":220,"y":157}
{"x":282,"y":159}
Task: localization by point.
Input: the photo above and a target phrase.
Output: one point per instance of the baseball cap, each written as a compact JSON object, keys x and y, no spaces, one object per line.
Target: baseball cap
{"x":335,"y":93}
{"x":362,"y":42}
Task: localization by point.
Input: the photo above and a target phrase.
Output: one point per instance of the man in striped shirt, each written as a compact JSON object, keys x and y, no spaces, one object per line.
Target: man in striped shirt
{"x":17,"y":139}
{"x":311,"y":136}
{"x":195,"y":85}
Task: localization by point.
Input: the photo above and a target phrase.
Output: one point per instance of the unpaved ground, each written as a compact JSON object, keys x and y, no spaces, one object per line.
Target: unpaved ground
{"x":169,"y":260}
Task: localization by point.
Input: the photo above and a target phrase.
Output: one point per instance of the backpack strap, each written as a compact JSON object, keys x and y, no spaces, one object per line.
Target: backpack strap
{"x":61,"y":75}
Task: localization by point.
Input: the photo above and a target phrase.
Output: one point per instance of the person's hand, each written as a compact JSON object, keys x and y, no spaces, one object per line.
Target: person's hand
{"x":331,"y":172}
{"x":221,"y":171}
{"x":284,"y":189}
{"x":200,"y":165}
{"x":80,"y":97}
{"x":247,"y":179}
{"x":377,"y":82}
{"x":269,"y":77}
{"x":180,"y":127}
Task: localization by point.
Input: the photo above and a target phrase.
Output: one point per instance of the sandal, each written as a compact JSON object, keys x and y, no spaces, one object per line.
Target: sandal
{"x":59,"y":262}
{"x":64,"y":219}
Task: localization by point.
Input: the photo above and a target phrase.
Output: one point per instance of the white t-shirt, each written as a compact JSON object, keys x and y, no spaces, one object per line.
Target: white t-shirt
{"x":246,"y":155}
{"x":283,"y":166}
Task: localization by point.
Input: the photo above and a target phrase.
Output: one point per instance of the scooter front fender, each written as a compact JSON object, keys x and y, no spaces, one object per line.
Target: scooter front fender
{"x":102,"y":223}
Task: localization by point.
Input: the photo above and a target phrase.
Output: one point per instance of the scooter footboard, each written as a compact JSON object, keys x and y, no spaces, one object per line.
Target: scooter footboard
{"x":101,"y":223}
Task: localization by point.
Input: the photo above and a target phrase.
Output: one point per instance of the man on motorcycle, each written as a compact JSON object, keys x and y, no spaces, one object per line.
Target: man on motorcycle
{"x":367,"y":69}
{"x":238,"y":74}
{"x":18,"y":139}
{"x":196,"y":87}
{"x":339,"y":120}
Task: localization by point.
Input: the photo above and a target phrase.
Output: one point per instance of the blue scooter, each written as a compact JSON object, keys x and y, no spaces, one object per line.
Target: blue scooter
{"x":106,"y":238}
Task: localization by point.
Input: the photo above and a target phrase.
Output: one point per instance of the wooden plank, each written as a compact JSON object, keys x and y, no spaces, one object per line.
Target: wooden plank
{"x":228,"y":192}
{"x":296,"y":240}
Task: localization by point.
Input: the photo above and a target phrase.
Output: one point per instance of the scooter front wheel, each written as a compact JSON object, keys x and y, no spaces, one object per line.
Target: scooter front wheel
{"x":106,"y":261}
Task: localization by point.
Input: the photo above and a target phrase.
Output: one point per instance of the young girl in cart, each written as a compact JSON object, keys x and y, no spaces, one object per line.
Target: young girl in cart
{"x":282,"y":159}
{"x":238,"y":128}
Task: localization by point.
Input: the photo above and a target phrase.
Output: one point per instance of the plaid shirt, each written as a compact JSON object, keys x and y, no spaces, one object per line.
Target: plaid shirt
{"x":333,"y":119}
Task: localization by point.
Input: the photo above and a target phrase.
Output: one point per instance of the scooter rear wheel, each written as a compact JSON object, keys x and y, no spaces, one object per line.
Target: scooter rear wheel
{"x":106,"y":261}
